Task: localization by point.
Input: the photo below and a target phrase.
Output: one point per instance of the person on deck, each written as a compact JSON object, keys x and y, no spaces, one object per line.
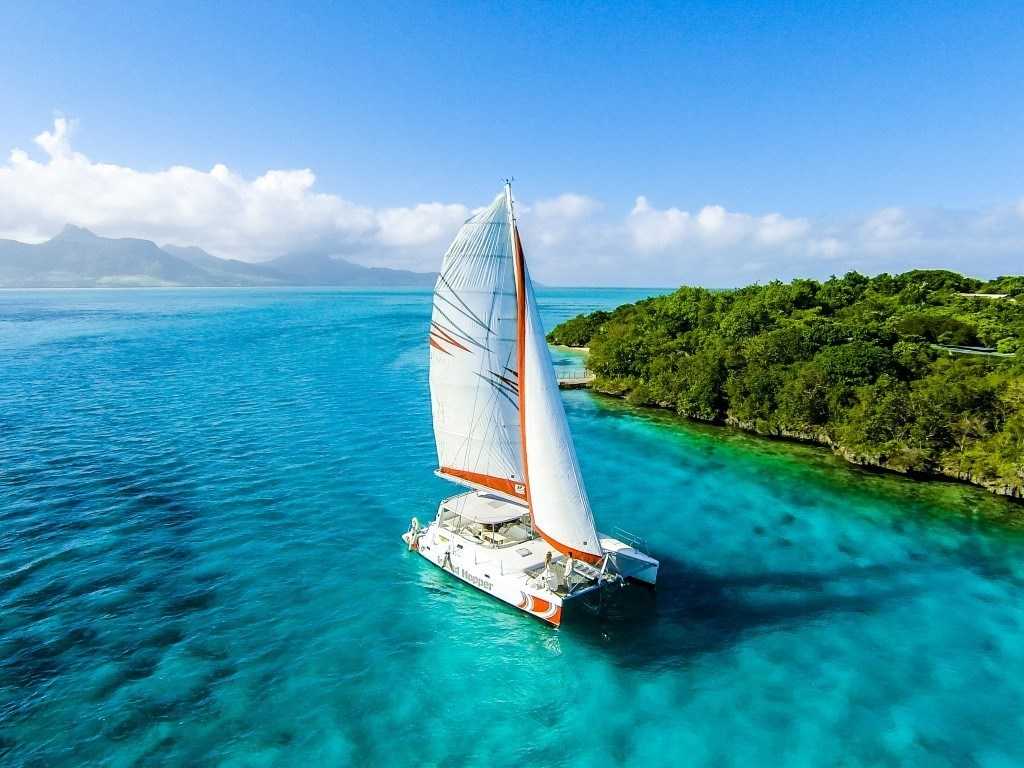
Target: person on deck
{"x":548,"y":577}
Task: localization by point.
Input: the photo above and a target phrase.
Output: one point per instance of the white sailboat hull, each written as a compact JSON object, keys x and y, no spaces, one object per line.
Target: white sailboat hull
{"x":479,"y":568}
{"x":629,"y":561}
{"x":515,"y":573}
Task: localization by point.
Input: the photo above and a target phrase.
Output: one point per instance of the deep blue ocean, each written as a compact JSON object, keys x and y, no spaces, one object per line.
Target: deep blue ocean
{"x":201,"y":498}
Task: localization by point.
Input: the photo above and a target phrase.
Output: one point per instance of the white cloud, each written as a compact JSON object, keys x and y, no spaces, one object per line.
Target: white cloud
{"x":827,"y":248}
{"x":570,"y":238}
{"x":218,"y":209}
{"x":567,"y":206}
{"x":712,"y":226}
{"x":775,"y":229}
{"x":562,"y":220}
{"x":886,"y":225}
{"x":422,"y":224}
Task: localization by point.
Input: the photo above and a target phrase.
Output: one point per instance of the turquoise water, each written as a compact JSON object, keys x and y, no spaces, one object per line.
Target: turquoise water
{"x":201,"y":494}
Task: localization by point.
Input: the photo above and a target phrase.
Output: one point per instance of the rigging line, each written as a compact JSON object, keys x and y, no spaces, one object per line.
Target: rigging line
{"x":493,"y":430}
{"x":442,"y":278}
{"x":498,"y":429}
{"x":509,"y":382}
{"x":508,"y":397}
{"x":497,"y":306}
{"x":501,"y":386}
{"x":464,"y":309}
{"x":466,"y":337}
{"x":500,"y":389}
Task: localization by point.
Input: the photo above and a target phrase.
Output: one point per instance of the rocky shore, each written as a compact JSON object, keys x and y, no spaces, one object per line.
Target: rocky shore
{"x":823,"y":439}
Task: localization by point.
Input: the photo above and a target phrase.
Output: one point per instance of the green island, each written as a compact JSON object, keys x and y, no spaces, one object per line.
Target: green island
{"x":920,"y":373}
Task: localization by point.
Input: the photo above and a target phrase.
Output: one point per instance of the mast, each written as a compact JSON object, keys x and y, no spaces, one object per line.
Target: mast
{"x":519,"y":269}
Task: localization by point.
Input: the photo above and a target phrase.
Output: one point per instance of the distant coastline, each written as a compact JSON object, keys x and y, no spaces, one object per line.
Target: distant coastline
{"x":889,"y":376}
{"x":77,"y":258}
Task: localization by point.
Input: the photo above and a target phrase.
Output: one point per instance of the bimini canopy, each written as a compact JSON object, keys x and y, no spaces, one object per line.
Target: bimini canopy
{"x":486,"y":508}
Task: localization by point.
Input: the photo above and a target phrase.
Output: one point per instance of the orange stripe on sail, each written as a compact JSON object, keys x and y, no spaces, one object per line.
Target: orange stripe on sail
{"x":505,"y":485}
{"x":521,"y":355}
{"x":577,"y":554}
{"x":447,"y":337}
{"x":437,"y":346}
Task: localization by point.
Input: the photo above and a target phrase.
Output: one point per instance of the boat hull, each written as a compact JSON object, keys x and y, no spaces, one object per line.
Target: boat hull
{"x":487,"y":575}
{"x":634,"y":564}
{"x":485,"y":541}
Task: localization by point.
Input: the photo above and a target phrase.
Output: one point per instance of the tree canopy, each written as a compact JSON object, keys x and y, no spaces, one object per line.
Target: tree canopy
{"x":875,"y":367}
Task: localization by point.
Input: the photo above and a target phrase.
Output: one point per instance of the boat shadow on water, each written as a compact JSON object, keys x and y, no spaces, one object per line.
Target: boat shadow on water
{"x":696,"y":612}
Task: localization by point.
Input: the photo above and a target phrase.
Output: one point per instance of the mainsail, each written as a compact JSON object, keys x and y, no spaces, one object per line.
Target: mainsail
{"x":474,"y":384}
{"x":498,"y":416}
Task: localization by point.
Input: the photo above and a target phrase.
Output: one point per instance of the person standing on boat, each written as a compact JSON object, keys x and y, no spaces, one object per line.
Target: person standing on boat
{"x":569,"y":565}
{"x":547,"y":576}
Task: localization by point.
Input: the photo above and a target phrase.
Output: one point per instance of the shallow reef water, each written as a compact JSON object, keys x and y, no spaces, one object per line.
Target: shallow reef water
{"x":201,"y":498}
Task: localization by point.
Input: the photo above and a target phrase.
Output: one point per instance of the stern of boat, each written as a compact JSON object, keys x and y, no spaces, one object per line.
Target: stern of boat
{"x":629,"y":558}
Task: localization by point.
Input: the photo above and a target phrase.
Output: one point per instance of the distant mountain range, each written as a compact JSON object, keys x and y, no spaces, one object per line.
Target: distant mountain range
{"x":76,"y":258}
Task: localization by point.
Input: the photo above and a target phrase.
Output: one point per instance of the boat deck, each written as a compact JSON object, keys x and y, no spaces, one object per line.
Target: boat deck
{"x":496,"y":535}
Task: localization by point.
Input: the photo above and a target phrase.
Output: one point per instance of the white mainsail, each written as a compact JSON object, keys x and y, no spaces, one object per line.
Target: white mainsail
{"x":474,"y":383}
{"x":557,"y":496}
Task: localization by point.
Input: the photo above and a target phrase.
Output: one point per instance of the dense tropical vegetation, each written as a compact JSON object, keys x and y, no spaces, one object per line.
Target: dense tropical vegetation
{"x":874,"y":367}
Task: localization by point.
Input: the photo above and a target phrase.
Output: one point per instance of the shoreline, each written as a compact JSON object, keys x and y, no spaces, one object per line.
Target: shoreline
{"x":584,"y":350}
{"x":1014,"y":493}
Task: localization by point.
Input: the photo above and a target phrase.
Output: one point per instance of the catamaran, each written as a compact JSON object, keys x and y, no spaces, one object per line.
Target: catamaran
{"x":524,"y":532}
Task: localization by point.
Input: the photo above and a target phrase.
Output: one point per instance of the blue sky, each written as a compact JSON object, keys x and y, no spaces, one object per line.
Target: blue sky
{"x":826,"y":114}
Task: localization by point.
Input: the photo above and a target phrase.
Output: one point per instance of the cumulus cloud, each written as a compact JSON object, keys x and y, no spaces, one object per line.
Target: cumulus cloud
{"x":571,"y":238}
{"x":712,"y":226}
{"x":568,"y":206}
{"x":422,"y":224}
{"x":565,"y":220}
{"x":218,"y":209}
{"x":886,"y":225}
{"x":714,"y":245}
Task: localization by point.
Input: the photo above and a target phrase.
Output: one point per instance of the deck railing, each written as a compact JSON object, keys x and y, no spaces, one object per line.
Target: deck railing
{"x":564,"y":373}
{"x":636,"y":542}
